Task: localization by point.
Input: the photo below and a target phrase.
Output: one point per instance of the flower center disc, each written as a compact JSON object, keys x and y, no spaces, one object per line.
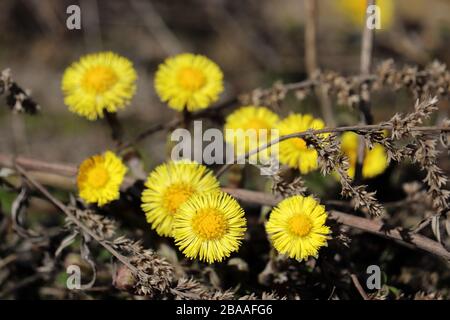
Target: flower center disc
{"x":299,"y":143}
{"x":176,"y":195}
{"x":191,"y":79}
{"x":98,"y":177}
{"x":99,"y":79}
{"x":300,"y":225}
{"x":209,"y":224}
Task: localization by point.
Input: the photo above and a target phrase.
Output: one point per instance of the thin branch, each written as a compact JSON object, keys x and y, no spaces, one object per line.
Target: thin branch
{"x":215,"y":111}
{"x":356,"y":129}
{"x":401,"y":235}
{"x":153,"y":129}
{"x":140,"y":272}
{"x":156,"y":25}
{"x":58,"y":204}
{"x":91,"y":25}
{"x":7,"y":160}
{"x":261,"y":198}
{"x":367,"y":44}
{"x":312,"y":65}
{"x":211,"y":112}
{"x":310,"y":36}
{"x":7,"y":260}
{"x":23,"y":283}
{"x":424,"y":223}
{"x":364,"y":105}
{"x":359,"y":287}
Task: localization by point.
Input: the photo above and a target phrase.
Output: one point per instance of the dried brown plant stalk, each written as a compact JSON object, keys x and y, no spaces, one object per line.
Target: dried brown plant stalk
{"x":365,"y":224}
{"x":146,"y":273}
{"x":18,"y":99}
{"x":142,"y":271}
{"x":402,"y":235}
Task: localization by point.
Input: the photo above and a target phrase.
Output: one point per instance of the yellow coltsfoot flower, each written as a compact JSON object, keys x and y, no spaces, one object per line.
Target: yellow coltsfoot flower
{"x":253,"y":118}
{"x":209,"y":226}
{"x":294,"y":152}
{"x":297,"y":227}
{"x":169,"y":186}
{"x":98,"y":83}
{"x":375,"y":159}
{"x":188,"y":81}
{"x":99,"y":178}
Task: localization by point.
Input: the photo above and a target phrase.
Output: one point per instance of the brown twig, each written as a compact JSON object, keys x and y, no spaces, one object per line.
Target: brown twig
{"x":367,"y":44}
{"x":7,"y":260}
{"x":58,"y":204}
{"x":359,"y":287}
{"x":158,"y":28}
{"x":91,"y":24}
{"x":401,"y":235}
{"x":216,"y":110}
{"x":364,"y":105}
{"x":23,"y":283}
{"x":147,"y":273}
{"x":356,"y":128}
{"x":9,"y":161}
{"x":151,"y":130}
{"x":211,"y":112}
{"x":424,"y":223}
{"x":261,"y":198}
{"x":310,"y":36}
{"x":312,"y":65}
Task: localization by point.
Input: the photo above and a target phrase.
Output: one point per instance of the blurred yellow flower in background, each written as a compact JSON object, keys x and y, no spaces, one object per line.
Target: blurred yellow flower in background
{"x":188,"y":81}
{"x":209,"y":226}
{"x":169,"y":186}
{"x":249,"y":118}
{"x":98,"y":83}
{"x":375,"y":159}
{"x":355,"y":11}
{"x":297,"y":227}
{"x":99,"y":178}
{"x":294,"y":152}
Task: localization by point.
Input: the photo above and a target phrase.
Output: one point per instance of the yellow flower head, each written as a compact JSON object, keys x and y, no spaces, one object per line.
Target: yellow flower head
{"x":355,"y":11}
{"x":97,"y":83}
{"x":375,"y":159}
{"x":297,"y":227}
{"x":99,"y":178}
{"x":169,"y":186}
{"x":294,"y":152}
{"x":209,"y":226}
{"x":188,"y":81}
{"x":259,"y":120}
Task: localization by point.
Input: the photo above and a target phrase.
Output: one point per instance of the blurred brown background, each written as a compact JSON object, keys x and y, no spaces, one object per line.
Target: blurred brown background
{"x":255,"y":43}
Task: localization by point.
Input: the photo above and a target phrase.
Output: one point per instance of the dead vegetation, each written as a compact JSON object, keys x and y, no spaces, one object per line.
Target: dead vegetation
{"x":47,"y":228}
